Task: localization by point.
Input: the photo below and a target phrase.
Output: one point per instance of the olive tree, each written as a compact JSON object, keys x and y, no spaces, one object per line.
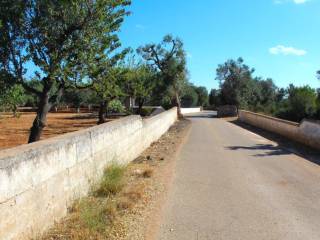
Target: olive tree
{"x":168,"y":57}
{"x":60,"y":39}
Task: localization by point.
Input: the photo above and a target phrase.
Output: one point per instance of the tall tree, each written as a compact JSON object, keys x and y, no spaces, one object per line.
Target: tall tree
{"x":215,"y":98}
{"x":234,"y":78}
{"x":203,"y":98}
{"x":190,"y":97}
{"x":60,"y":39}
{"x":168,"y":57}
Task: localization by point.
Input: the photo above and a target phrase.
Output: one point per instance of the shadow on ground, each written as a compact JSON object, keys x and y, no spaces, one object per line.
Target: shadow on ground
{"x":201,"y":115}
{"x":285,"y":146}
{"x":82,"y":116}
{"x":270,"y":149}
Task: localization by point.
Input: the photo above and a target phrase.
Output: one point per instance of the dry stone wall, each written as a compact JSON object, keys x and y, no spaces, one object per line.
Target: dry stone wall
{"x":40,"y":180}
{"x":307,"y":132}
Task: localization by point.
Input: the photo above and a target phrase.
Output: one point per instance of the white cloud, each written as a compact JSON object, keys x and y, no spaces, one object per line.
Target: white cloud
{"x":300,"y":1}
{"x":280,"y":49}
{"x":293,"y":1}
{"x":140,"y":27}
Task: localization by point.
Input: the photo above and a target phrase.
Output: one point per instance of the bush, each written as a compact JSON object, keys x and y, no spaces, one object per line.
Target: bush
{"x":301,"y":103}
{"x":115,"y":106}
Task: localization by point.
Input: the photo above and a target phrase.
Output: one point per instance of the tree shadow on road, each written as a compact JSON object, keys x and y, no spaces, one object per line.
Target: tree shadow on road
{"x":285,"y":146}
{"x":209,"y":115}
{"x":270,"y":149}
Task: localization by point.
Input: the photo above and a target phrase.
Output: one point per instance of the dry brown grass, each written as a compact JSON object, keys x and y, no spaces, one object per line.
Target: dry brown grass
{"x":98,"y":216}
{"x":147,"y":173}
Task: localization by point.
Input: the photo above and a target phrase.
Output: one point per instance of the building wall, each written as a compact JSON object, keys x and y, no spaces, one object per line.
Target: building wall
{"x":39,"y":181}
{"x":307,"y":132}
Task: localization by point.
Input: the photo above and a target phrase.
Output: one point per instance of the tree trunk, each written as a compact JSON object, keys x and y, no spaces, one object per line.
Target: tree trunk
{"x":44,"y":106}
{"x":102,"y":112}
{"x":40,"y":121}
{"x":15,"y":109}
{"x":178,"y":105}
{"x":140,"y":105}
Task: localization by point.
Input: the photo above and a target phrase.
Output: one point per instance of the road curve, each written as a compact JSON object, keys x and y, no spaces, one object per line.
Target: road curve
{"x":232,"y":184}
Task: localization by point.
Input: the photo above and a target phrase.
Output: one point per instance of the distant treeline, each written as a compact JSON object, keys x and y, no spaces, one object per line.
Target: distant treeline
{"x":239,"y":87}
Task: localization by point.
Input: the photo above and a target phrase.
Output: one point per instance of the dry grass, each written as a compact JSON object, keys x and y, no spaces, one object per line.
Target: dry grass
{"x":147,"y":173}
{"x":97,"y":216}
{"x":112,"y":181}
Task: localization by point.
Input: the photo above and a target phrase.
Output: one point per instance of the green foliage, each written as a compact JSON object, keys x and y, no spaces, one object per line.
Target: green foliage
{"x":318,"y":104}
{"x":301,"y":103}
{"x":108,"y":85}
{"x":116,"y":106}
{"x":190,"y":96}
{"x":77,"y":97}
{"x":141,"y":81}
{"x":62,"y":39}
{"x":112,"y":181}
{"x":234,"y":78}
{"x":238,"y":87}
{"x":263,"y":96}
{"x":168,"y":58}
{"x":203,"y":98}
{"x":12,"y":97}
{"x":215,"y":98}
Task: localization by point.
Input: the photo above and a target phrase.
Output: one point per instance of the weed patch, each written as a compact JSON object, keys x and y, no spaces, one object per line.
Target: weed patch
{"x":112,"y":181}
{"x":96,"y":214}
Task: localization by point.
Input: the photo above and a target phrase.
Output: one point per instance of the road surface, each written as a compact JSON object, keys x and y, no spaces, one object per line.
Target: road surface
{"x":232,"y":184}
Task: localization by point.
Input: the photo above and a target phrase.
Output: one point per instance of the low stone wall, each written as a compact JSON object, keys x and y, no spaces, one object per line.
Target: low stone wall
{"x":307,"y":132}
{"x":40,"y":180}
{"x":190,"y":110}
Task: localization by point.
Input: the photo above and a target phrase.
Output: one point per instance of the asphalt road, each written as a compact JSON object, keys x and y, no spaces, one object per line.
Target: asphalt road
{"x":232,"y":184}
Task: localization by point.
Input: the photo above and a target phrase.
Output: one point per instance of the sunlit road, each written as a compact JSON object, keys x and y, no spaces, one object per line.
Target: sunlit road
{"x":232,"y":184}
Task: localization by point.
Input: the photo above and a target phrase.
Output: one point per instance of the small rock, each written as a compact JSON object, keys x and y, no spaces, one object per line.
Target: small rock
{"x":137,"y":172}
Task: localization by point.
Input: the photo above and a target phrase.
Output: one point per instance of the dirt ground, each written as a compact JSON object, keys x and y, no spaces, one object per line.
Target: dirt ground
{"x":15,"y":131}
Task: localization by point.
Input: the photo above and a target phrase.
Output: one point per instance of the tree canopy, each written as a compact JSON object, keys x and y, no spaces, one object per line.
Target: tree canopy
{"x":62,"y":39}
{"x":168,"y":57}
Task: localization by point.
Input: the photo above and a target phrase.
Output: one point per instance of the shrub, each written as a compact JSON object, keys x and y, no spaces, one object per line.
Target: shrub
{"x":116,"y":106}
{"x":301,"y":103}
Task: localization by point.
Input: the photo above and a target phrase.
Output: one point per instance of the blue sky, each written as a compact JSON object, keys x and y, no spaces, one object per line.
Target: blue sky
{"x":279,"y":38}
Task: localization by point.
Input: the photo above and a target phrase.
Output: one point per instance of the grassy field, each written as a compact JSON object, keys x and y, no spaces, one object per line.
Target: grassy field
{"x":15,"y":131}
